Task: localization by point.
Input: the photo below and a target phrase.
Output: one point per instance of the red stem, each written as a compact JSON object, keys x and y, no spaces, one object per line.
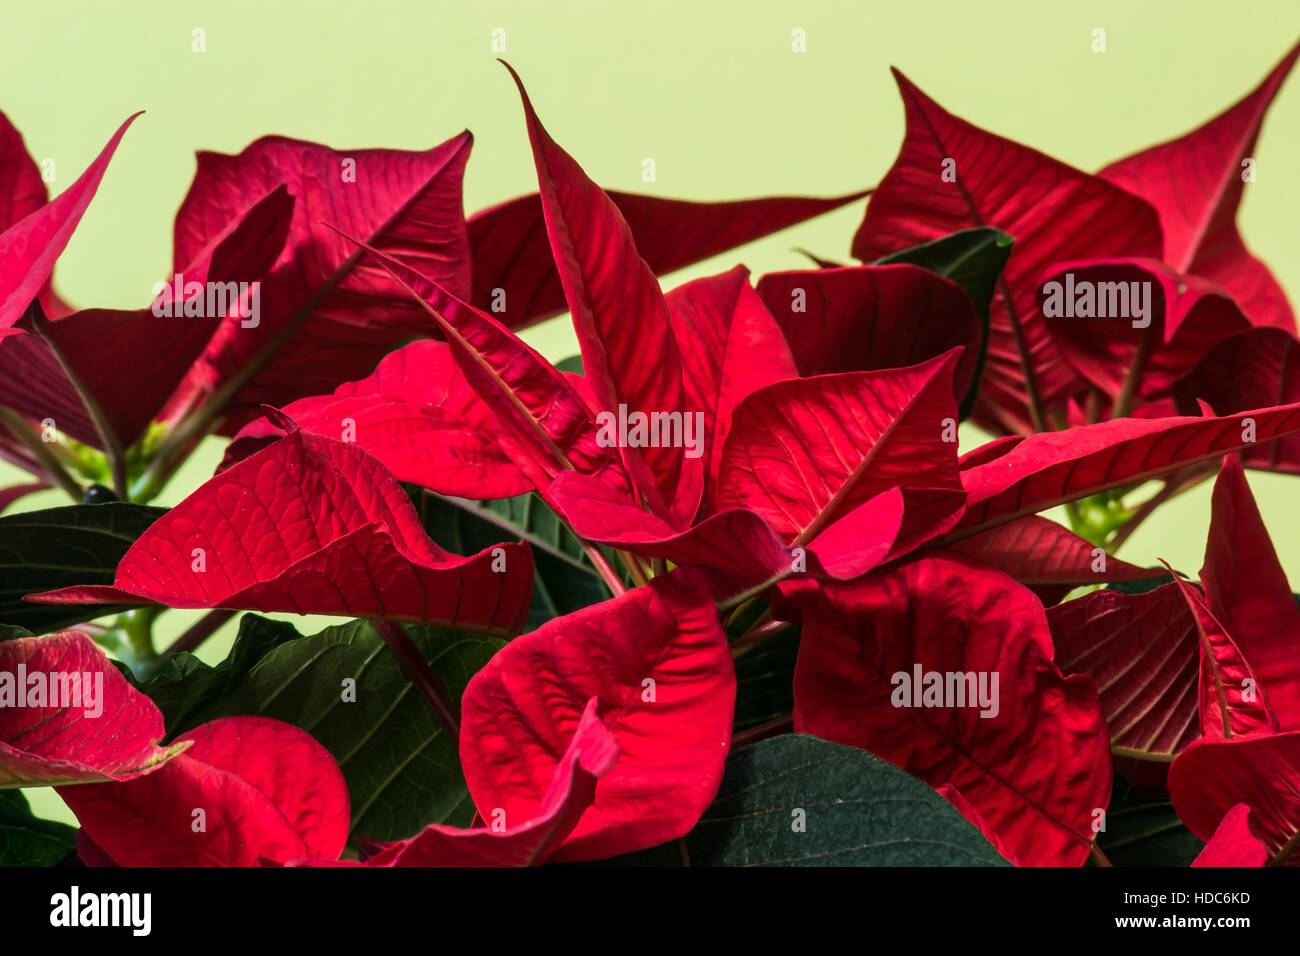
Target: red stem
{"x":421,"y":675}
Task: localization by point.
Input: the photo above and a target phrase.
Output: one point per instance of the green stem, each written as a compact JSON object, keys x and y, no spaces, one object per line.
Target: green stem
{"x":107,"y":433}
{"x":57,"y":474}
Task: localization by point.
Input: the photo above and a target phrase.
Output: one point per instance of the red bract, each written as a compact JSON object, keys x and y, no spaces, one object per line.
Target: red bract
{"x":740,"y":549}
{"x":1184,"y":318}
{"x":1196,"y":184}
{"x":1020,"y":477}
{"x":61,"y":362}
{"x":1029,"y":754}
{"x":1143,"y":653}
{"x":1263,"y":772}
{"x":544,"y":423}
{"x":873,"y":317}
{"x":590,"y":755}
{"x":1247,"y":591}
{"x":848,"y":469}
{"x":515,"y":274}
{"x":658,"y":663}
{"x":247,"y":789}
{"x":328,"y":315}
{"x":313,"y":524}
{"x":732,"y":347}
{"x":951,"y":175}
{"x":417,"y":415}
{"x":1234,"y":843}
{"x":1261,"y":366}
{"x":629,"y":352}
{"x":30,"y":245}
{"x":766,"y":479}
{"x":68,"y":716}
{"x":1231,"y":702}
{"x":803,"y":453}
{"x":1042,"y":554}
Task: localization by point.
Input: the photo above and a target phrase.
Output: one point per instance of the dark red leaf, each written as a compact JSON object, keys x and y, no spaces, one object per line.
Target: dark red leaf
{"x":417,"y":415}
{"x":731,"y":348}
{"x":738,"y":547}
{"x":545,"y":424}
{"x":1246,"y":590}
{"x":1231,"y":702}
{"x":1252,"y":369}
{"x":1038,"y":552}
{"x":1212,"y":776}
{"x":1185,"y":317}
{"x":629,"y":352}
{"x":1056,"y":213}
{"x":873,"y":317}
{"x":99,"y":343}
{"x":333,"y":315}
{"x":511,"y":251}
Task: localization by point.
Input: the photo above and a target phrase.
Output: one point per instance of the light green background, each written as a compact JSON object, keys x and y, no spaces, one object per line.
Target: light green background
{"x":712,"y":91}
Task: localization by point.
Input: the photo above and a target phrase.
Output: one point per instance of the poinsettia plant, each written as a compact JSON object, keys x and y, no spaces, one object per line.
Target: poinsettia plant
{"x":720,"y":590}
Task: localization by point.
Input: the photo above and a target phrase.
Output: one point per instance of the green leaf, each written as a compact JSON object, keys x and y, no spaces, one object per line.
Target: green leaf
{"x":974,"y":259}
{"x":854,"y":810}
{"x":59,"y":547}
{"x":1138,"y":587}
{"x":186,"y":685}
{"x":9,"y":631}
{"x":27,"y":840}
{"x":564,"y":580}
{"x":571,"y":364}
{"x":402,"y":768}
{"x":1145,"y":832}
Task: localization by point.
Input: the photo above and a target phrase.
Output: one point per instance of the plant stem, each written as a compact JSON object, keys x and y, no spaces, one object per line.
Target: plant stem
{"x":1098,"y":858}
{"x":160,"y":471}
{"x":421,"y":675}
{"x":757,"y":635}
{"x":634,"y":569}
{"x":108,"y":437}
{"x":57,"y":474}
{"x":761,"y":732}
{"x":602,"y":565}
{"x":1128,"y":392}
{"x":200,"y":631}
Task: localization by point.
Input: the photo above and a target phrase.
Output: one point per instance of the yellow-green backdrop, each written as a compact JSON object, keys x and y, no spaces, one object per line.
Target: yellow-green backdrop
{"x":711,"y":90}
